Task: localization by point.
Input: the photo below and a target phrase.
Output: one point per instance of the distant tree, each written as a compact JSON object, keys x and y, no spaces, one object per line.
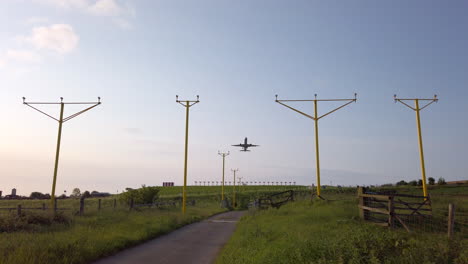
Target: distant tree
{"x":76,"y":192}
{"x":431,"y":181}
{"x":86,"y":194}
{"x":441,"y":181}
{"x":413,"y":183}
{"x":419,"y":182}
{"x":37,"y":195}
{"x":402,"y":182}
{"x":63,"y":196}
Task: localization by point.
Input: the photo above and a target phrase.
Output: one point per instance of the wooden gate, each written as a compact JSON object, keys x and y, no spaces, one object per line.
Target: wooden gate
{"x":393,"y":210}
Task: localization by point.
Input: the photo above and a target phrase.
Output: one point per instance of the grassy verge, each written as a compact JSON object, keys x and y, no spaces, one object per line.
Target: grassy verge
{"x":330,"y":232}
{"x":91,"y":237}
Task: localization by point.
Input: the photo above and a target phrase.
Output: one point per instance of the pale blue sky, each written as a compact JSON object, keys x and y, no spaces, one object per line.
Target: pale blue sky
{"x":137,"y":55}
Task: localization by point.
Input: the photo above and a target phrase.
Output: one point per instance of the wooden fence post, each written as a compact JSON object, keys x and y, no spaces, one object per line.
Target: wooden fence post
{"x":391,"y":211}
{"x":115,"y":203}
{"x":131,"y":204}
{"x":43,"y":207}
{"x":451,"y":219}
{"x":99,"y":205}
{"x":361,"y":203}
{"x":82,"y":205}
{"x":19,"y":210}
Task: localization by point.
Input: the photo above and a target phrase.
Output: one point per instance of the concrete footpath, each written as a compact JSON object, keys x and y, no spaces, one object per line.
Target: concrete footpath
{"x":195,"y":243}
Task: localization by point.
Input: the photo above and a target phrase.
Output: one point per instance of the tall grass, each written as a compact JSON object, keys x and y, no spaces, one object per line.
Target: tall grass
{"x":331,"y":232}
{"x":90,"y":237}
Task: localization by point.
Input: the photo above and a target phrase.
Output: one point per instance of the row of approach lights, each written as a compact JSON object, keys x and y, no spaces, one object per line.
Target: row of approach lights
{"x":217,"y":183}
{"x":189,"y":103}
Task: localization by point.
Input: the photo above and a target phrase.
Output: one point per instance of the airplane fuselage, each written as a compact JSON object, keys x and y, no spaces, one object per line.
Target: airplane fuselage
{"x":245,"y":146}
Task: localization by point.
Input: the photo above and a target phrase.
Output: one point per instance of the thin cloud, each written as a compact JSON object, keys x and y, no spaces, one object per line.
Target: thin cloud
{"x":133,"y":130}
{"x":106,"y":8}
{"x":60,"y":38}
{"x":13,"y":56}
{"x":117,"y":10}
{"x":36,"y":20}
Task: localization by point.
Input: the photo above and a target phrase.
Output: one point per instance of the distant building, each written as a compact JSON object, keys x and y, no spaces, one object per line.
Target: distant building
{"x":168,"y":184}
{"x":0,"y":194}
{"x":13,"y":192}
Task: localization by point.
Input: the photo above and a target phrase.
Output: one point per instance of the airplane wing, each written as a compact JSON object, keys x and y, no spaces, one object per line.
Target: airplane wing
{"x":238,"y":145}
{"x":251,"y":145}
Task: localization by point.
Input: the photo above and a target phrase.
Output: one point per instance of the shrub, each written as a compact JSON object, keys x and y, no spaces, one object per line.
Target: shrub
{"x":441,"y":181}
{"x":431,"y":181}
{"x":31,"y":221}
{"x":143,"y":195}
{"x":401,"y":183}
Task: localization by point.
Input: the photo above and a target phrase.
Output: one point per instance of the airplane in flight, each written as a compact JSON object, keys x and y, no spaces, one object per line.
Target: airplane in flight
{"x":245,"y":146}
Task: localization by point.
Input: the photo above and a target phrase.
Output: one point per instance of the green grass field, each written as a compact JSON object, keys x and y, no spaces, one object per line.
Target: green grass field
{"x":331,"y":232}
{"x":300,"y":232}
{"x":38,"y":237}
{"x":87,"y":238}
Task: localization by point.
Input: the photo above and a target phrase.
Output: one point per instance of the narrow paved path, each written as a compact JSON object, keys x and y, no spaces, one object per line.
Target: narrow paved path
{"x":195,"y":243}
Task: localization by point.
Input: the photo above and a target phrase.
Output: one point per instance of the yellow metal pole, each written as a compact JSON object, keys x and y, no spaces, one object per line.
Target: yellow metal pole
{"x":421,"y":152}
{"x":234,"y":191}
{"x":57,"y":154}
{"x":317,"y":148}
{"x":222,"y":185}
{"x":184,"y":195}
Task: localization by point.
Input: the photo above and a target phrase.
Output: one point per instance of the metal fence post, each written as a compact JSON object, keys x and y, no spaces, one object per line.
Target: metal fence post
{"x":99,"y":204}
{"x":19,"y":210}
{"x":115,"y":203}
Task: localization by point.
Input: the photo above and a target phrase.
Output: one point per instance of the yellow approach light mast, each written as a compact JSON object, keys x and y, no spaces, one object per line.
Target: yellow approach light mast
{"x":316,"y":118}
{"x":223,"y":154}
{"x":60,"y":120}
{"x":187,"y":104}
{"x":417,"y":109}
{"x":234,"y":188}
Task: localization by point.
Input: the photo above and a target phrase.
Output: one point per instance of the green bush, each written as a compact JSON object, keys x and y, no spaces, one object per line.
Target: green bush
{"x":143,"y":195}
{"x":441,"y":181}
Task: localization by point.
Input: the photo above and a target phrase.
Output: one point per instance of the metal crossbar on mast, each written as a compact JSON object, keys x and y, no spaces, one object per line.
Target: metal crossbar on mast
{"x":417,"y":109}
{"x":223,"y":154}
{"x":187,"y":104}
{"x":316,"y":118}
{"x":234,"y":188}
{"x":60,"y":120}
